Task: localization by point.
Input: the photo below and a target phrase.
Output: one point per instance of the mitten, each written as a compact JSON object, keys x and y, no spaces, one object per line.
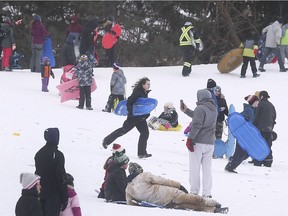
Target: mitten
{"x":52,"y":74}
{"x":182,"y":188}
{"x":190,"y":144}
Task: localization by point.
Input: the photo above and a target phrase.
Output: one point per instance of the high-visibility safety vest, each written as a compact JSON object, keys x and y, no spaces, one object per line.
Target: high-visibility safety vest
{"x":185,"y":39}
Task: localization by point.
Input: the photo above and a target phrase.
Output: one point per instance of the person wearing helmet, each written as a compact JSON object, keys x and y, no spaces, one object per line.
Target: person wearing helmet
{"x":189,"y":41}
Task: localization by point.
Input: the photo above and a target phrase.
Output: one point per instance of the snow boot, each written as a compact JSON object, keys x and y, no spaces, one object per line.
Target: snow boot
{"x":223,"y":210}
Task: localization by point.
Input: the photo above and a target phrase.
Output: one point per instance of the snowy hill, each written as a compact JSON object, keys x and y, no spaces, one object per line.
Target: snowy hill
{"x":27,"y":112}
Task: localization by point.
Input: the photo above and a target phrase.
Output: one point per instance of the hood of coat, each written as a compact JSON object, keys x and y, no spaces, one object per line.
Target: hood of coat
{"x":204,"y":97}
{"x":52,"y":135}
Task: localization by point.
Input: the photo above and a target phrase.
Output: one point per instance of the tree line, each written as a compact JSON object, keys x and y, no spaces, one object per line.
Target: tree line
{"x":151,"y":29}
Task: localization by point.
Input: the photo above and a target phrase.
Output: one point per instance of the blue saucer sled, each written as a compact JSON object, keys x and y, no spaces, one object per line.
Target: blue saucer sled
{"x":227,"y":148}
{"x":141,"y":107}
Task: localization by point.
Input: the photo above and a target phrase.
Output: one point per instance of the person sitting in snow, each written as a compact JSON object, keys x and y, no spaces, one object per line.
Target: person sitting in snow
{"x":73,"y":207}
{"x":168,"y":118}
{"x":116,"y":150}
{"x":144,"y":186}
{"x":116,"y":180}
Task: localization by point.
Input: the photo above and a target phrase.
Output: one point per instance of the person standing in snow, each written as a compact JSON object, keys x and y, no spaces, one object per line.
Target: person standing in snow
{"x":117,"y":87}
{"x":141,"y":90}
{"x":46,"y":72}
{"x":29,"y":204}
{"x":265,"y":119}
{"x":144,"y":186}
{"x":116,"y":180}
{"x":272,"y":44}
{"x":222,"y":104}
{"x":73,"y":207}
{"x":284,"y":41}
{"x":50,"y":166}
{"x":189,"y":41}
{"x":75,"y":29}
{"x":200,"y":141}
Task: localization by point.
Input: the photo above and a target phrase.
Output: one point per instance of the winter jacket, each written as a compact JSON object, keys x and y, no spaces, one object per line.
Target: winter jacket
{"x":274,"y":34}
{"x":50,"y":162}
{"x":115,"y":183}
{"x":75,"y":29}
{"x":84,"y":70}
{"x":29,"y":204}
{"x":46,"y":71}
{"x":137,"y":93}
{"x":223,"y":107}
{"x":117,"y":83}
{"x":73,"y":207}
{"x":204,"y":119}
{"x":68,"y":54}
{"x":249,"y":47}
{"x":171,"y":116}
{"x":265,"y":116}
{"x":8,"y":39}
{"x":150,"y":188}
{"x":189,"y":37}
{"x":284,"y":39}
{"x":38,"y":32}
{"x":248,"y":112}
{"x":87,"y":36}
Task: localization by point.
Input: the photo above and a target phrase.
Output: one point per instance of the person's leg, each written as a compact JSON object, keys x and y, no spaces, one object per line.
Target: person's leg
{"x":144,"y":135}
{"x":194,"y":168}
{"x":39,"y":51}
{"x":207,"y":169}
{"x":282,"y":52}
{"x":88,"y":96}
{"x":253,"y":66}
{"x":81,"y":99}
{"x":244,"y":66}
{"x":187,"y":57}
{"x":219,"y":130}
{"x":267,"y":51}
{"x":33,"y":56}
{"x":280,"y":61}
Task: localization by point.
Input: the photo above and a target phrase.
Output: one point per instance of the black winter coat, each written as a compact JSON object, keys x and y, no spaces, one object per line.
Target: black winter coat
{"x":137,"y":93}
{"x":265,"y":116}
{"x":171,"y":116}
{"x":116,"y":183}
{"x":222,"y":105}
{"x":49,"y":162}
{"x":28,"y":204}
{"x":68,"y":55}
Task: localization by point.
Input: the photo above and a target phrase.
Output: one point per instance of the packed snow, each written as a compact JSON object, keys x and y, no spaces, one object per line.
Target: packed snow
{"x":26,"y":111}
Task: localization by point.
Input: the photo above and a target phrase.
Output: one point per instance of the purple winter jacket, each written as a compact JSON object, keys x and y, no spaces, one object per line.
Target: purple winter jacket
{"x":38,"y":32}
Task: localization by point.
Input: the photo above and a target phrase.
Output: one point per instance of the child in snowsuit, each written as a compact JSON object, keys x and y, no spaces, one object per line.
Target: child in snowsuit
{"x":46,"y":72}
{"x":117,"y":87}
{"x":168,"y":118}
{"x":250,"y":49}
{"x":29,"y":203}
{"x":222,"y":106}
{"x":84,"y":73}
{"x":117,"y":150}
{"x":73,"y":207}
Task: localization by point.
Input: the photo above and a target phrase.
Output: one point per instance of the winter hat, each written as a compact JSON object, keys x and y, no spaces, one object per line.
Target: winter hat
{"x":135,"y":168}
{"x":69,"y":179}
{"x":37,"y":18}
{"x":251,"y":99}
{"x":116,"y":66}
{"x":83,"y":57}
{"x":111,"y":19}
{"x":257,"y":93}
{"x":264,"y":94}
{"x":51,"y":135}
{"x":217,"y":89}
{"x":44,"y":59}
{"x":169,"y":105}
{"x":28,"y":180}
{"x":211,"y":83}
{"x":6,"y":19}
{"x":188,"y":23}
{"x":118,"y":149}
{"x":121,"y":160}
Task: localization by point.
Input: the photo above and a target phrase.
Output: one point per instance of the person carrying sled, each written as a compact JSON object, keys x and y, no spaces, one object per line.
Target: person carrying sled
{"x":117,"y":87}
{"x":239,"y":153}
{"x":168,"y":118}
{"x":144,"y":186}
{"x":46,"y":72}
{"x":141,"y":90}
{"x":189,"y":42}
{"x":116,"y":181}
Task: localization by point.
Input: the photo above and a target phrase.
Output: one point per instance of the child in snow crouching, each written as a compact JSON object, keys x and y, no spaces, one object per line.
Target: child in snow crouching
{"x":46,"y":72}
{"x":73,"y":207}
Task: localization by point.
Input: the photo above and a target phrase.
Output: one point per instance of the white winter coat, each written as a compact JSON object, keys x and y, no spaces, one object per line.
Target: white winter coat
{"x":150,"y":188}
{"x":274,"y":33}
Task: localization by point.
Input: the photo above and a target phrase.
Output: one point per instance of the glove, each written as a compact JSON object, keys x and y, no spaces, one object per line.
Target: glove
{"x":182,"y":188}
{"x":190,"y":144}
{"x":64,"y":205}
{"x":52,"y":74}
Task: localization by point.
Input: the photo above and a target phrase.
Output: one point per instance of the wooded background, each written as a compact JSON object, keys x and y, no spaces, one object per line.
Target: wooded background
{"x":151,"y":29}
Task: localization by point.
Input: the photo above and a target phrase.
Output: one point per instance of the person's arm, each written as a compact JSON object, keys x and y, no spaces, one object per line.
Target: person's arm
{"x":161,"y":181}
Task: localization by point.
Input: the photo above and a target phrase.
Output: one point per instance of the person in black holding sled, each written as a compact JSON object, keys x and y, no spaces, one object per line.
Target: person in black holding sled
{"x":141,"y":89}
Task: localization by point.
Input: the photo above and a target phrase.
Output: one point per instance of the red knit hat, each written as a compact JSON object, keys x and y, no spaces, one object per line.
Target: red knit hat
{"x":117,"y":148}
{"x":251,"y":99}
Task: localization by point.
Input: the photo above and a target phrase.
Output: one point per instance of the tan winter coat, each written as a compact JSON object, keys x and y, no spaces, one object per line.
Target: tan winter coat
{"x":151,"y":188}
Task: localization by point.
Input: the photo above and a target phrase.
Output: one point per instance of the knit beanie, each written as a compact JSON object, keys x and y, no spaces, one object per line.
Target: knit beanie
{"x":28,"y":180}
{"x":121,"y":160}
{"x":37,"y":18}
{"x":118,"y":149}
{"x":169,"y":105}
{"x":251,"y":99}
{"x":135,"y":168}
{"x":116,"y":66}
{"x":211,"y":83}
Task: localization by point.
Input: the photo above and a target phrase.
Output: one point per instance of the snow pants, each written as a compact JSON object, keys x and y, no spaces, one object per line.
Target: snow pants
{"x":85,"y":95}
{"x":246,"y":60}
{"x":187,"y":58}
{"x":201,"y":157}
{"x":237,"y":158}
{"x":136,"y":121}
{"x":266,"y":54}
{"x":110,"y":102}
{"x":7,"y":52}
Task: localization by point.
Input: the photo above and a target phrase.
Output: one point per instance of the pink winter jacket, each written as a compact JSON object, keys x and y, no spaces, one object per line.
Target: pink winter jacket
{"x":73,"y":207}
